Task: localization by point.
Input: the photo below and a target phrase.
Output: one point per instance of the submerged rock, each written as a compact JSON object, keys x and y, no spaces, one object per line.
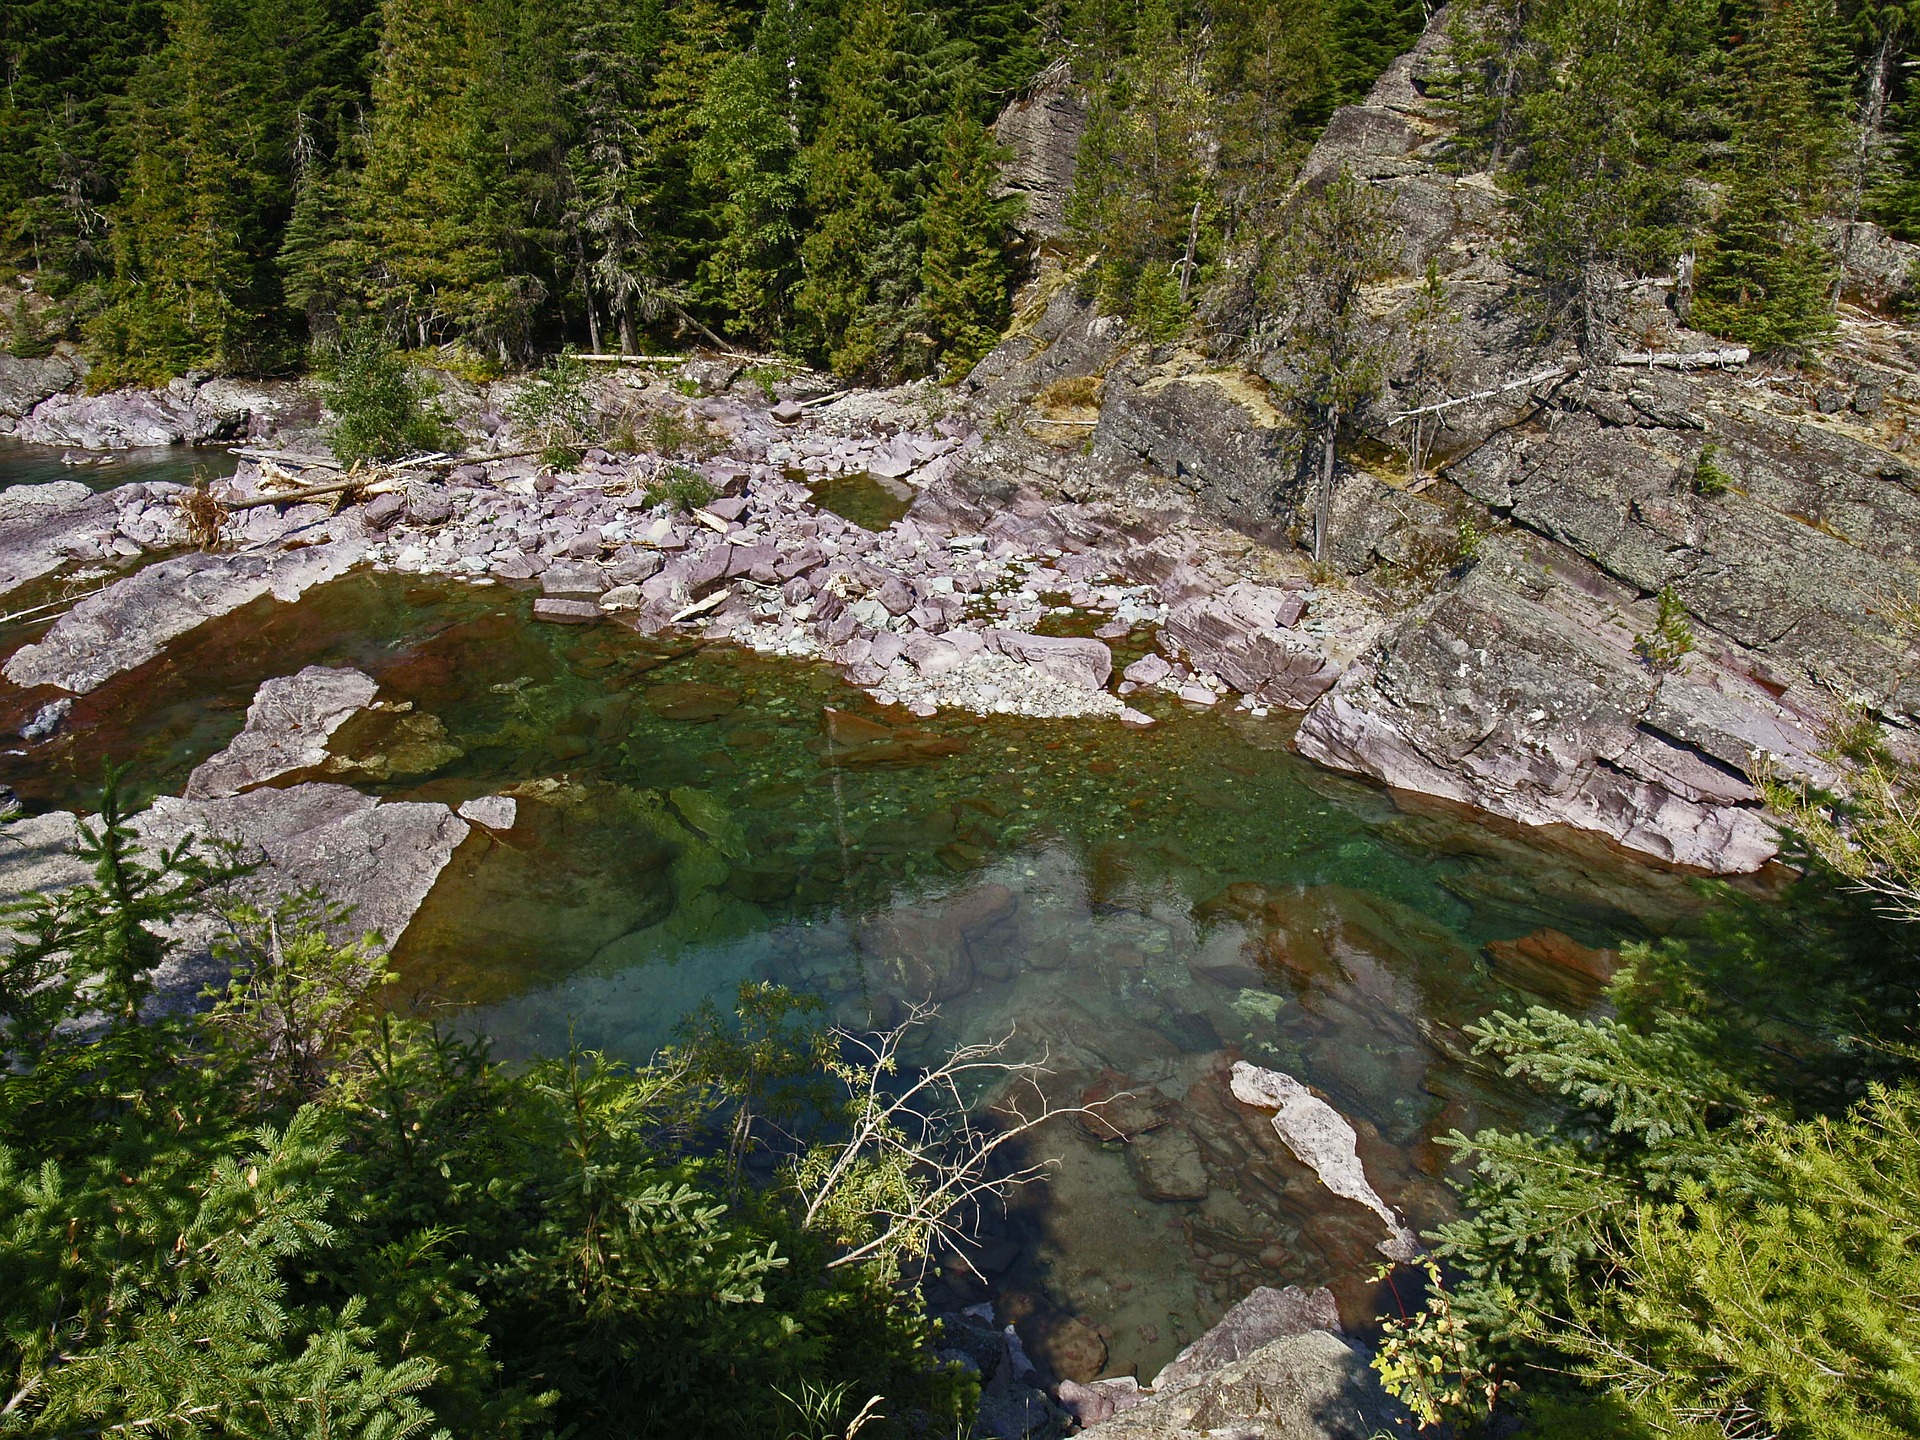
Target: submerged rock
{"x":1324,"y":1142}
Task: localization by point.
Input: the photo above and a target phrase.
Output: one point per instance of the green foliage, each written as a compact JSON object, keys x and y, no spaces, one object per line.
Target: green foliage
{"x":1710,"y":477}
{"x":966,"y":275}
{"x":24,"y":339}
{"x":678,"y":488}
{"x":1667,"y":645}
{"x":296,"y":1216}
{"x":1765,"y":277}
{"x":554,"y":409}
{"x":382,"y":407}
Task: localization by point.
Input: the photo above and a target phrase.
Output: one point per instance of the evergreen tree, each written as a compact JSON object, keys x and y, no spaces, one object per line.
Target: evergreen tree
{"x":966,"y":273}
{"x":1764,"y":276}
{"x":746,"y":163}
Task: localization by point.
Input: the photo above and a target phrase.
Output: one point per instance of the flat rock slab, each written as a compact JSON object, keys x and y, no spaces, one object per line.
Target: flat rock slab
{"x":38,"y":522}
{"x":131,"y":621}
{"x":288,"y":726}
{"x":568,"y":612}
{"x":380,"y":859}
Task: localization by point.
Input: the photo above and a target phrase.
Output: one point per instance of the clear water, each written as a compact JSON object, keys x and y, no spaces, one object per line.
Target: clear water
{"x":22,"y":464}
{"x":1138,"y":909}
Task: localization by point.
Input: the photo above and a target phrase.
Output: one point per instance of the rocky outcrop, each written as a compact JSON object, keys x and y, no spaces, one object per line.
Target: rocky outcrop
{"x":1276,"y":1367}
{"x":42,"y":527}
{"x":288,"y":726}
{"x":25,"y":383}
{"x":132,"y":620}
{"x":1042,"y":128}
{"x":189,"y":411}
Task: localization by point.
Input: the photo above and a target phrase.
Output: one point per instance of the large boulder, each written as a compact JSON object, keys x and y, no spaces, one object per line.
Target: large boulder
{"x":25,"y":383}
{"x":1314,"y":1385}
{"x":1041,"y":129}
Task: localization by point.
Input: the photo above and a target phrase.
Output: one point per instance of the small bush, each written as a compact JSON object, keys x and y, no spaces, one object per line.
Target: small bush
{"x":1671,"y":640}
{"x":680,"y":488}
{"x":382,"y":407}
{"x":25,"y":340}
{"x":1709,"y":478}
{"x":554,"y":410}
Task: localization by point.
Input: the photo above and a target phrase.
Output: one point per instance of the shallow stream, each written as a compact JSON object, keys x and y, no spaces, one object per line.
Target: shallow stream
{"x":1137,"y":908}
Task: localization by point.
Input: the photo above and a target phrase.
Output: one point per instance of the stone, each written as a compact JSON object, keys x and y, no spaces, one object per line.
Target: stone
{"x":46,"y":719}
{"x":428,"y":504}
{"x":24,"y":383}
{"x":132,"y":620}
{"x":1041,"y":129}
{"x":1554,"y":965}
{"x":41,"y":524}
{"x":1166,"y":1165}
{"x":1312,"y":1386}
{"x":385,"y":510}
{"x":379,"y":859}
{"x":568,"y":612}
{"x":1098,"y":1400}
{"x":622,"y":597}
{"x":788,"y":412}
{"x":1237,"y":636}
{"x":1262,"y":1317}
{"x":573,"y":580}
{"x":1072,"y":1349}
{"x":287,"y":729}
{"x":1086,"y":663}
{"x":1148,"y":670}
{"x":490,"y":812}
{"x":1322,"y":1140}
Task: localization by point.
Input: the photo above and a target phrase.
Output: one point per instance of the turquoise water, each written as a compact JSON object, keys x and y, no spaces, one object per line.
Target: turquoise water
{"x":1135,"y":909}
{"x":181,"y":464}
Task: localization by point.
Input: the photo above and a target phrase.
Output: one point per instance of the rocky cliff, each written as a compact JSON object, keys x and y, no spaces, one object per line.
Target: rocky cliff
{"x":1513,"y":581}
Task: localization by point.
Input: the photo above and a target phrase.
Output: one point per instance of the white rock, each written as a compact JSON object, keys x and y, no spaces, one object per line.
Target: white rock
{"x":494,"y":812}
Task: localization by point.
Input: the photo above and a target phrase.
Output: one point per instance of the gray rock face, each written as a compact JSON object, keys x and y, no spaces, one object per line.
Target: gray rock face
{"x":1043,"y":130}
{"x":1264,"y":1316}
{"x":1535,"y":708}
{"x":1241,"y":637}
{"x":183,"y":412}
{"x":1310,"y":1386}
{"x":132,"y":620}
{"x":1215,"y":437}
{"x":288,"y":726}
{"x":41,"y":524}
{"x":25,"y":383}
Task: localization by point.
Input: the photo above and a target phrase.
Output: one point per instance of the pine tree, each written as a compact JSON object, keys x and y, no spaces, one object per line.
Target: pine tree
{"x":746,"y":164}
{"x":966,"y":273}
{"x":1764,"y":277}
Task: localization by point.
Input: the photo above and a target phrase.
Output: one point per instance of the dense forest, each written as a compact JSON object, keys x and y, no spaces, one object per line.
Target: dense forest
{"x":215,"y":184}
{"x":212,"y":183}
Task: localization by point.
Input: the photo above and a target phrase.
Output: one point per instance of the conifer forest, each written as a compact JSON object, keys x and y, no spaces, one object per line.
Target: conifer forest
{"x":965,"y":720}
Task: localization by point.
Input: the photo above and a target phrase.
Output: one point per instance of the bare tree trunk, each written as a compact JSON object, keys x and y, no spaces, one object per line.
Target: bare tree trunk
{"x":1324,"y":501}
{"x":1186,"y":264}
{"x":629,"y":345}
{"x":1873,"y":111}
{"x":593,"y":324}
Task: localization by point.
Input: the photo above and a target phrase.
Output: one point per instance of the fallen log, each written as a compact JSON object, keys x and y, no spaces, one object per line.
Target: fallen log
{"x":1684,"y":360}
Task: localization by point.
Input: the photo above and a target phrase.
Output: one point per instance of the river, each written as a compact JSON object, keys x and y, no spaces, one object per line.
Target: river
{"x":1136,"y":908}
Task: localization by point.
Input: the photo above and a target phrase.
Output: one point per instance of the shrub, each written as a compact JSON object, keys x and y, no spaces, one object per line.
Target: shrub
{"x":382,"y":407}
{"x":1671,"y":639}
{"x":680,"y":488}
{"x":1709,"y":478}
{"x":554,"y":410}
